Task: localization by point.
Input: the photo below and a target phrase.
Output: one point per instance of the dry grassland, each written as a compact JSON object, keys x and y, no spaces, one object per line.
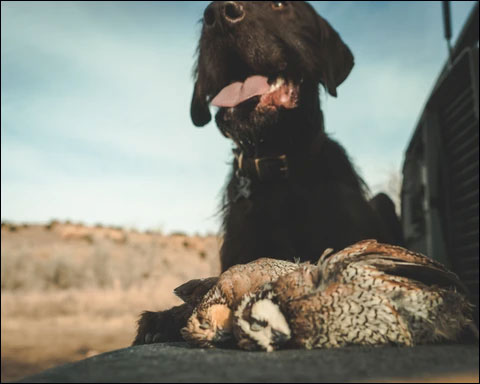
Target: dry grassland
{"x":70,"y":291}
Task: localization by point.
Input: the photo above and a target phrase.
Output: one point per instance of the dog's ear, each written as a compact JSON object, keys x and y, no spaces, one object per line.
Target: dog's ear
{"x":199,"y":111}
{"x":336,"y":59}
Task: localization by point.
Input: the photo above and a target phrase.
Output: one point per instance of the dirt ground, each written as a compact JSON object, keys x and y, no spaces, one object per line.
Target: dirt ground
{"x":71,"y":292}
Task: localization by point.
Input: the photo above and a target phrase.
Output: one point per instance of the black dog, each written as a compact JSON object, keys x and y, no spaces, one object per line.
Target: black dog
{"x":293,"y":191}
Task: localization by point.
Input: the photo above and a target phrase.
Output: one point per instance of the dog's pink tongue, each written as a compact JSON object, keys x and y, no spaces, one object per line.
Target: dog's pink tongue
{"x":238,"y":92}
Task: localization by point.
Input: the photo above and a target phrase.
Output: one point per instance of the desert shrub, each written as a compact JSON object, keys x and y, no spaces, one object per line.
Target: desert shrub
{"x":178,"y":233}
{"x":65,"y":274}
{"x":51,"y":224}
{"x":102,"y":268}
{"x":88,"y":238}
{"x":136,"y":267}
{"x":15,"y":271}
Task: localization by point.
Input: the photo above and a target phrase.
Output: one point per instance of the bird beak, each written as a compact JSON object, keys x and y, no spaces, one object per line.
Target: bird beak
{"x":222,"y":336}
{"x":279,"y":338}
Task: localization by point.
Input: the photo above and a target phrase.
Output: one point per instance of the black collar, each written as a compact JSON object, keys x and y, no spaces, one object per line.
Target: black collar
{"x":266,"y":169}
{"x":272,"y":168}
{"x":263,"y":169}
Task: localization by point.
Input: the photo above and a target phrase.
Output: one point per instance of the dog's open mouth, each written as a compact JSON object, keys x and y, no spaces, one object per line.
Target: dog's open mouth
{"x":278,"y":93}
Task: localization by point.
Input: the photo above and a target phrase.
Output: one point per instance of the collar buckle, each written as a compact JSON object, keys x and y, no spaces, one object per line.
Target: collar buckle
{"x":271,"y":168}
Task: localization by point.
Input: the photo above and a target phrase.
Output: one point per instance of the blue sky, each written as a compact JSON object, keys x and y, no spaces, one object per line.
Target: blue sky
{"x":95,"y":97}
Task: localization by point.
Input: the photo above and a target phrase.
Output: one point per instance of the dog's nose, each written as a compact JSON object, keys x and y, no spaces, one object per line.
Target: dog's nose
{"x":233,"y":11}
{"x":230,"y":12}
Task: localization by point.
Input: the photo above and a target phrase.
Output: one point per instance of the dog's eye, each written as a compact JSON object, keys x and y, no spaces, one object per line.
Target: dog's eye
{"x":279,"y":4}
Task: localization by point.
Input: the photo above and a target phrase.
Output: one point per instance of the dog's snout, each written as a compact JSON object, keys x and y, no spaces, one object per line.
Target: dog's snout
{"x":233,"y":11}
{"x":227,"y":12}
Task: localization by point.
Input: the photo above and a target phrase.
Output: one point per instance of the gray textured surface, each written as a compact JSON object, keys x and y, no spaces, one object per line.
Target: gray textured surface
{"x":176,"y":362}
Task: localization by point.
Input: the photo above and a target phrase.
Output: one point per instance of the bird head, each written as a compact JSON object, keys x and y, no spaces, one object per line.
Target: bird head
{"x":209,"y":325}
{"x":259,"y":323}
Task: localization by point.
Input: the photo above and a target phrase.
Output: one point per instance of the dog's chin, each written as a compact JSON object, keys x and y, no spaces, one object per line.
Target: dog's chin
{"x":256,"y":130}
{"x":255,"y":124}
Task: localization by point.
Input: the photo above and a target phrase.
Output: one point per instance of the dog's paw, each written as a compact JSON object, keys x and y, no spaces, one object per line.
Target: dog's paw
{"x":152,"y":338}
{"x":163,"y":326}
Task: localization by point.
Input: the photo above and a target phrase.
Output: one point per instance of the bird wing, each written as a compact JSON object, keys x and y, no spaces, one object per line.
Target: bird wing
{"x":386,"y":259}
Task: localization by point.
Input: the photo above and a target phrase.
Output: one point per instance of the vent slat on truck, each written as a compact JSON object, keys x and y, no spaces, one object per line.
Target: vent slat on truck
{"x":461,"y":131}
{"x":458,"y":123}
{"x":465,"y":146}
{"x":466,"y":224}
{"x":469,"y":263}
{"x":459,"y":118}
{"x":465,"y":95}
{"x":465,"y":167}
{"x":463,"y":187}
